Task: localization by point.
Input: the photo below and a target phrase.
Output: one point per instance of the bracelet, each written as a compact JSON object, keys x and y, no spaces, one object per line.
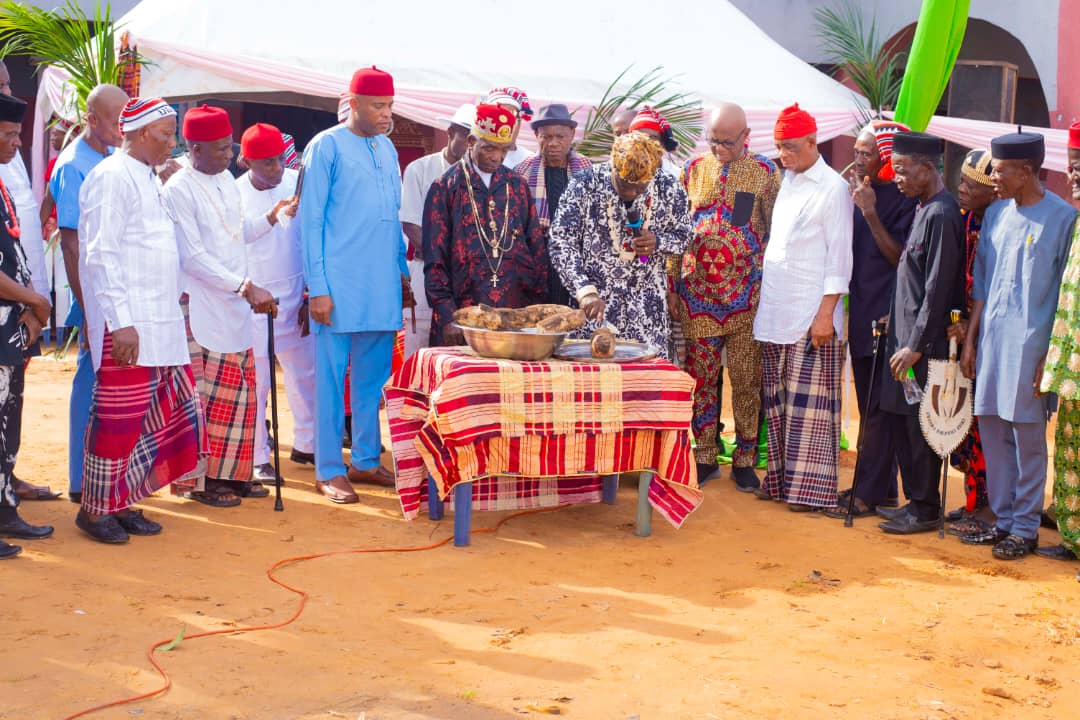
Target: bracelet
{"x":244,"y":287}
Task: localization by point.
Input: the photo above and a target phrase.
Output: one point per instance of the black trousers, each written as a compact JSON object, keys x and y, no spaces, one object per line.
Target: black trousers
{"x":877,"y":463}
{"x":919,"y":465}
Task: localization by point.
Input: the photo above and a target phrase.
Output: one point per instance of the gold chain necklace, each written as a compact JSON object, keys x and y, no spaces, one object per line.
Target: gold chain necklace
{"x":494,"y":242}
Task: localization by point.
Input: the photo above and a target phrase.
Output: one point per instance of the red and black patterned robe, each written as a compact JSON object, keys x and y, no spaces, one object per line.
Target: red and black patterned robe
{"x":459,"y":265}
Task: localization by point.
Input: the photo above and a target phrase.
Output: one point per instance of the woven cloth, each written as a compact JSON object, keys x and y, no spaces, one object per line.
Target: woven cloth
{"x":146,"y":431}
{"x":539,"y":434}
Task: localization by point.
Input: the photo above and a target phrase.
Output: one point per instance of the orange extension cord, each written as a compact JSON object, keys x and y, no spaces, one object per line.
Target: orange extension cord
{"x":299,"y":608}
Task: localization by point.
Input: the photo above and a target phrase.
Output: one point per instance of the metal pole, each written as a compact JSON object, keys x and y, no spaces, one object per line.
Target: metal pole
{"x":875,"y":329}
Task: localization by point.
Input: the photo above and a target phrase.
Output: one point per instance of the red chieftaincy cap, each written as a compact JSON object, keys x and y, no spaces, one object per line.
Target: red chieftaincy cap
{"x":1074,"y":136}
{"x":206,"y":123}
{"x":372,"y":81}
{"x":262,"y":142}
{"x":793,"y":123}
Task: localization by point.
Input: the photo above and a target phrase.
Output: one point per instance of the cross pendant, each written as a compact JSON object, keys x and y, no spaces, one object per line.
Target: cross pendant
{"x":494,"y":281}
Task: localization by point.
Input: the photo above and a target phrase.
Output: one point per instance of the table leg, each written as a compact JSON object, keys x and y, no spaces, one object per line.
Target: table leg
{"x":435,"y":509}
{"x":609,"y":488}
{"x":462,"y":514}
{"x":644,"y":509}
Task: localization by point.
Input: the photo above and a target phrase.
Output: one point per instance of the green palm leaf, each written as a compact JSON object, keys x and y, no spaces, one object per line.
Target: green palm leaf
{"x":83,"y":47}
{"x":682,"y":110}
{"x":854,"y":46}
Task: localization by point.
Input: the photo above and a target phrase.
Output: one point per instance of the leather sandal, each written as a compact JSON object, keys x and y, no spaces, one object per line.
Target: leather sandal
{"x":28,"y":491}
{"x":337,"y":490}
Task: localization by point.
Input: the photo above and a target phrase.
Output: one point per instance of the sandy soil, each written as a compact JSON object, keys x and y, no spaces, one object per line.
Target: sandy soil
{"x":565,"y":611}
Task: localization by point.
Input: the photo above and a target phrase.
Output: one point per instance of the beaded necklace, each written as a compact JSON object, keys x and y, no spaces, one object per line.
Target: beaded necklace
{"x":11,"y":218}
{"x":494,"y":252}
{"x":622,"y":236}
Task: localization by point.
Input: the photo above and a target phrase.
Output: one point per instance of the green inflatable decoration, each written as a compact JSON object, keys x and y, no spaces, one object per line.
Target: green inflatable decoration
{"x":938,"y":37}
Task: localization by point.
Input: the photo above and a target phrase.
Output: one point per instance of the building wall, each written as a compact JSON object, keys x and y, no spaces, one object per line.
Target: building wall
{"x":791,"y":23}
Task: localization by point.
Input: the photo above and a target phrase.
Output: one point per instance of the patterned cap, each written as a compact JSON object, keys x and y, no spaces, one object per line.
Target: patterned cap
{"x":977,"y":167}
{"x":140,"y":112}
{"x":514,"y":97}
{"x":494,"y":124}
{"x":291,"y":158}
{"x":883,"y":132}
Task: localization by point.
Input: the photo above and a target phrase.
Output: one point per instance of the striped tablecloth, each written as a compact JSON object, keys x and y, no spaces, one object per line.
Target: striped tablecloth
{"x":539,"y":434}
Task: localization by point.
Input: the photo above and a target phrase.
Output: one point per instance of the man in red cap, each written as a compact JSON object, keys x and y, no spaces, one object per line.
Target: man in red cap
{"x":276,"y":263}
{"x":212,"y":234}
{"x":799,"y":320}
{"x":482,"y":238}
{"x":354,"y":265}
{"x":881,"y":222}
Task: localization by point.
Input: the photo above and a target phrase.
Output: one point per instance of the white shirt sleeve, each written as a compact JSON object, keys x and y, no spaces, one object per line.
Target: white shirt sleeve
{"x":838,"y":255}
{"x":412,"y":196}
{"x":105,"y":203}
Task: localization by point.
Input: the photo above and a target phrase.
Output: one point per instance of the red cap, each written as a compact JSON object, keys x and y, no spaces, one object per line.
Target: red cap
{"x":372,"y":81}
{"x":1074,"y":136}
{"x":649,"y":119}
{"x":794,"y":123}
{"x":262,"y":142}
{"x":206,"y":123}
{"x":494,"y":124}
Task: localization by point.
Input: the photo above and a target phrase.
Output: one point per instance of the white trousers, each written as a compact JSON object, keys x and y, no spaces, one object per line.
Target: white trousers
{"x":298,"y":363}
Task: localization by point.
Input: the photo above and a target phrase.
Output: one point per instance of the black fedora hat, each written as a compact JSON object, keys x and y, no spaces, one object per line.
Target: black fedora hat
{"x":556,"y":114}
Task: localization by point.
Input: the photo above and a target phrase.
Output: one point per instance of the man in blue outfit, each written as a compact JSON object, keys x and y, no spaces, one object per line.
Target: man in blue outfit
{"x":99,"y":138}
{"x":1019,"y":264}
{"x":354,"y":266}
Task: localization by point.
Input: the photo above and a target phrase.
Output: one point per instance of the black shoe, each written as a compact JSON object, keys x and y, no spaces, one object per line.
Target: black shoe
{"x":762,"y":494}
{"x":302,"y":458}
{"x":1056,"y":552}
{"x":8,"y":551}
{"x":1048,"y":520}
{"x":106,"y":530}
{"x":959,"y":513}
{"x":908,"y":524}
{"x":19,"y":528}
{"x":135,"y":524}
{"x":890,"y":502}
{"x":1014,"y":547}
{"x":75,"y":497}
{"x":988,"y":537}
{"x":892,"y":513}
{"x":705,"y":472}
{"x":746,"y":480}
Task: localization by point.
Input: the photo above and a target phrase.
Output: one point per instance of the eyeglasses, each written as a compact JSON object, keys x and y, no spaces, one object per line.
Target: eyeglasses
{"x":727,"y":144}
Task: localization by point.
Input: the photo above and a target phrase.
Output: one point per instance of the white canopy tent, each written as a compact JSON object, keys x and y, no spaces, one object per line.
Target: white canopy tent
{"x":442,"y":55}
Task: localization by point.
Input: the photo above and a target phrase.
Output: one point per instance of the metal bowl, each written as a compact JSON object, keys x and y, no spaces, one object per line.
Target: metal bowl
{"x":512,"y":344}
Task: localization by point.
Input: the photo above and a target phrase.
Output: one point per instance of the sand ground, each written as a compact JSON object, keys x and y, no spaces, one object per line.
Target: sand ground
{"x":748,"y":611}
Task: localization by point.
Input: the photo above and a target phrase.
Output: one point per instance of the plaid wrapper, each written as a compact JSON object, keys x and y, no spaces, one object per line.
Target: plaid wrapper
{"x":801,"y":391}
{"x":226,"y":383}
{"x":146,"y":431}
{"x":538,"y":434}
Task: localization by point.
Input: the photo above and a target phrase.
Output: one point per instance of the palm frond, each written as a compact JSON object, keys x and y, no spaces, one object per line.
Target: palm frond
{"x":854,"y":46}
{"x":83,"y":47}
{"x":681,"y":109}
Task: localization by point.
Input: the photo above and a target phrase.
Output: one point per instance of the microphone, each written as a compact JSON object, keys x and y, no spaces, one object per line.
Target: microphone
{"x":634,"y":222}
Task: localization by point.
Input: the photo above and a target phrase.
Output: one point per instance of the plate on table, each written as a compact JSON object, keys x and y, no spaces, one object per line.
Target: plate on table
{"x":625,"y":351}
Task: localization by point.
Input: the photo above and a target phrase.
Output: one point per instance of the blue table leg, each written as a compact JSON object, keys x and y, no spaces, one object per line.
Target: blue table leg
{"x":644,"y":509}
{"x":462,"y":514}
{"x":435,"y":509}
{"x":609,"y":488}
